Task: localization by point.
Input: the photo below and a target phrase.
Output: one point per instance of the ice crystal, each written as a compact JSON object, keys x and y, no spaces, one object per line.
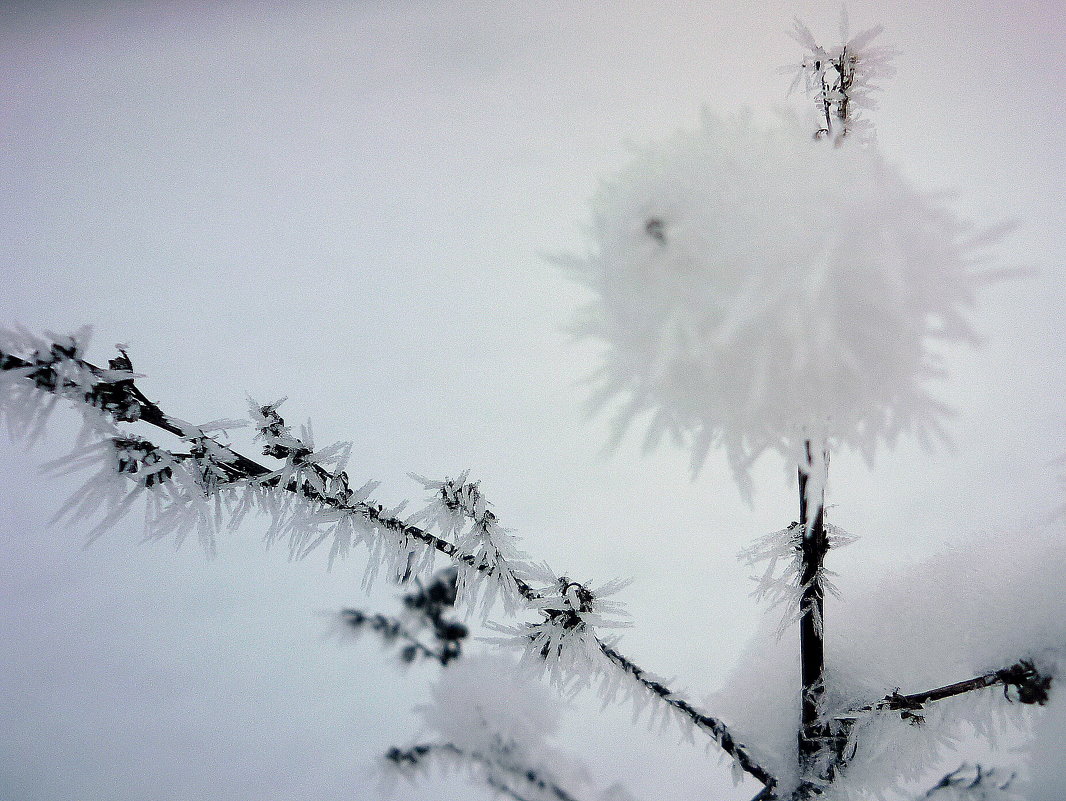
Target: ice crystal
{"x":779,"y":583}
{"x":459,"y":511}
{"x":565,"y":642}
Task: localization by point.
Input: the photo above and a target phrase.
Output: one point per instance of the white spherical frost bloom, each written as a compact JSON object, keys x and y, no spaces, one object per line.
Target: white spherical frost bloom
{"x":756,"y":289}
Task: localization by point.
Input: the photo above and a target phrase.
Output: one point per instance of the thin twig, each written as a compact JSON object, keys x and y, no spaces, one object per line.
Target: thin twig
{"x":710,"y":725}
{"x":1030,"y":685}
{"x":391,"y":629}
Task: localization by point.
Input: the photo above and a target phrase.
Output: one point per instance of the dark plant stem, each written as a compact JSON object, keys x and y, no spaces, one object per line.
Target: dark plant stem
{"x":845,"y":67}
{"x":1022,"y":682}
{"x":826,"y":110}
{"x":814,"y":735}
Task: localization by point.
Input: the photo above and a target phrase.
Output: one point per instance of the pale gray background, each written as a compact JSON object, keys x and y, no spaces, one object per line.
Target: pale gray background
{"x":352,"y":204}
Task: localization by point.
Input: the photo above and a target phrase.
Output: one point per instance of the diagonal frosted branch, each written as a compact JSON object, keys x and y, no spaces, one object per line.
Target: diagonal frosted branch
{"x":123,"y":400}
{"x":706,"y":723}
{"x":240,"y":466}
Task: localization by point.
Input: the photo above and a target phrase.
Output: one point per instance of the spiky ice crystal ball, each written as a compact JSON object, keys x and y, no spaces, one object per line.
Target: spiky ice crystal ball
{"x":756,"y":289}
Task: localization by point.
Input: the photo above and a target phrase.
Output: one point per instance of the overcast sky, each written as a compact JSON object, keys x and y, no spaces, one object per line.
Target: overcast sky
{"x":355,"y":205}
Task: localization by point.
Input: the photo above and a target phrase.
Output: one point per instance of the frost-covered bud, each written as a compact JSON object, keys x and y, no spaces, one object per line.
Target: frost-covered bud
{"x":575,"y":606}
{"x":317,"y":474}
{"x":143,"y":461}
{"x":843,"y":78}
{"x":57,"y":364}
{"x":755,"y":289}
{"x":453,"y":503}
{"x":495,"y":568}
{"x":278,"y":439}
{"x":565,"y":642}
{"x":114,"y":392}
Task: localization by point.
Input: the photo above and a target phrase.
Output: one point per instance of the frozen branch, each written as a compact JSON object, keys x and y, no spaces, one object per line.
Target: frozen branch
{"x":567,"y":645}
{"x":127,"y":403}
{"x":1021,"y":682}
{"x":568,"y":607}
{"x":391,"y":629}
{"x":710,"y":725}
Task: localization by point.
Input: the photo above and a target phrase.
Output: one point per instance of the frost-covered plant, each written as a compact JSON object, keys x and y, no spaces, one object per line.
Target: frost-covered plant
{"x":756,"y":289}
{"x":781,"y":582}
{"x":308,"y":501}
{"x":842,"y":80}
